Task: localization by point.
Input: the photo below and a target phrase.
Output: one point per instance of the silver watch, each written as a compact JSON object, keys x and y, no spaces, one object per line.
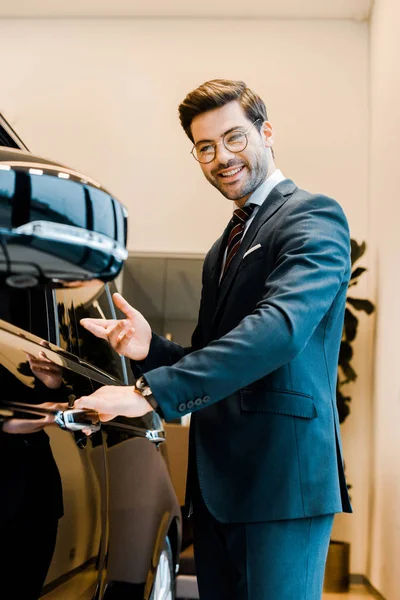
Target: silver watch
{"x":144,"y":389}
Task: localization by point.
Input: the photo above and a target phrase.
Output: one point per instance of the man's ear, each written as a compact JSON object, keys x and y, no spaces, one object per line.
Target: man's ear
{"x":268,"y":134}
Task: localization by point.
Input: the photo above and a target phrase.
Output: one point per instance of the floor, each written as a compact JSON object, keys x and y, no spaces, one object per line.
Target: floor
{"x":186,"y":589}
{"x":357,"y":592}
{"x":79,"y":589}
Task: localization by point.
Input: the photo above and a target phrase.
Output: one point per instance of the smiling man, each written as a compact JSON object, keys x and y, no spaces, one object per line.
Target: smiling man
{"x":265,"y":467}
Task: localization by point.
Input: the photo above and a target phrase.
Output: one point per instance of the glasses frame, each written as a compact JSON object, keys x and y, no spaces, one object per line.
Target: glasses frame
{"x":222,"y":141}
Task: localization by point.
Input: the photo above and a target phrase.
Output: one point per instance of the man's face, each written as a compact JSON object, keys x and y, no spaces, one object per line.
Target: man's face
{"x":235,"y":175}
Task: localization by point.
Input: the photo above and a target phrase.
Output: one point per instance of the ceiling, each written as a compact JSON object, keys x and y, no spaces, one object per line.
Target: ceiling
{"x":279,"y":9}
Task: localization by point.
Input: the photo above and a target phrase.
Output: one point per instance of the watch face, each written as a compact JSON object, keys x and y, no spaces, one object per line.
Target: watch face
{"x":140,"y":383}
{"x":142,"y":386}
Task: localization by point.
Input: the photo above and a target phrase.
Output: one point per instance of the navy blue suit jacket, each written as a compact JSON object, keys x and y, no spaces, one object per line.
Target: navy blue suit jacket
{"x":260,"y":377}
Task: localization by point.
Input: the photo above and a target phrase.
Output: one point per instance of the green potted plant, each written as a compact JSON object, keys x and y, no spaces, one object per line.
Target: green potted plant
{"x":337,"y":570}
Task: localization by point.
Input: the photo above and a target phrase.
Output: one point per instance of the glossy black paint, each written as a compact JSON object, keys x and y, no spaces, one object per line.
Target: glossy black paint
{"x":56,"y":223}
{"x":80,"y":517}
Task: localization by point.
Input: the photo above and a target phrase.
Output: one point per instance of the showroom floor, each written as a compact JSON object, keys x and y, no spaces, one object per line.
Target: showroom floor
{"x":358,"y":592}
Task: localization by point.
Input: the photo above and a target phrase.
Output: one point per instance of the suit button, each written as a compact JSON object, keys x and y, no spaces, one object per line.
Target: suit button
{"x":182,"y":407}
{"x":190,"y":404}
{"x":198,"y":402}
{"x":206,"y":399}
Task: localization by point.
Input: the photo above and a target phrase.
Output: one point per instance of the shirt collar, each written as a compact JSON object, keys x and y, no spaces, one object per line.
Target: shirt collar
{"x":261,"y":193}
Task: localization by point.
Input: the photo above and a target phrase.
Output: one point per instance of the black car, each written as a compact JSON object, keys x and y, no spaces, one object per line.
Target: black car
{"x":80,"y":517}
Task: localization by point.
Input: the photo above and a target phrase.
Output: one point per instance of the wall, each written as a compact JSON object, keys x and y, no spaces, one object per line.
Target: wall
{"x":102,"y":95}
{"x":383,"y":566}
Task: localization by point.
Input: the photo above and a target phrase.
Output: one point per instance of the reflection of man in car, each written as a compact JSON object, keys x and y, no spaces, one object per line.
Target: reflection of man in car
{"x":31,"y":494}
{"x":50,"y":375}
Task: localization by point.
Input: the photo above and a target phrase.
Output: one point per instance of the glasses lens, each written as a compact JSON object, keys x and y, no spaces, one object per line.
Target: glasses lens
{"x":235,"y":141}
{"x":204,"y":152}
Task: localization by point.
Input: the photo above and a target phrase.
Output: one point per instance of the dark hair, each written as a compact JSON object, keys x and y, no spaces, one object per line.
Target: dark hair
{"x":216,"y":93}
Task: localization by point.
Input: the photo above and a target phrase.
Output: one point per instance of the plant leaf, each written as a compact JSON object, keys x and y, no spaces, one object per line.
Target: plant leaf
{"x":357,"y":272}
{"x":349,"y":373}
{"x":360,"y":304}
{"x":342,"y":403}
{"x":346,"y":353}
{"x":357,"y":250}
{"x":350,"y":325}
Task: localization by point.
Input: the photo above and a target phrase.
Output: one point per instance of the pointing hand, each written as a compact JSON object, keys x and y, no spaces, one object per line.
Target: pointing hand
{"x":130,"y":337}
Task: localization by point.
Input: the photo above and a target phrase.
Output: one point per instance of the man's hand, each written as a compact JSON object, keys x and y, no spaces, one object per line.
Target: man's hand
{"x":112,"y":401}
{"x":24,"y":426}
{"x":130,"y":337}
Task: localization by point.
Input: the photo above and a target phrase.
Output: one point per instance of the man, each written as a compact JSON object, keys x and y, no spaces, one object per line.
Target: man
{"x":265,"y":467}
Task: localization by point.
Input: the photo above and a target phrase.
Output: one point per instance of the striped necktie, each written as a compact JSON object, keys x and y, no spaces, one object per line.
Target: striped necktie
{"x":240,"y":216}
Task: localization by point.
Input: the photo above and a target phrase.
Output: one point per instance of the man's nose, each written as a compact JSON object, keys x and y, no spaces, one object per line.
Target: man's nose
{"x":222,"y":154}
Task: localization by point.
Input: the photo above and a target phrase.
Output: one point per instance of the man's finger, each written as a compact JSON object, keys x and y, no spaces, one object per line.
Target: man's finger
{"x":87,"y":432}
{"x":123,"y":305}
{"x":44,"y":369}
{"x":116,"y":326}
{"x":119,"y":332}
{"x":102,"y":408}
{"x":82,"y":402}
{"x":127,"y":332}
{"x":87,"y":402}
{"x":97,"y":326}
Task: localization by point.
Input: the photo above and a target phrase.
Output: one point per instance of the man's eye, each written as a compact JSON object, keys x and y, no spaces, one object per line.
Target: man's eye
{"x":235,"y":136}
{"x":205,"y":149}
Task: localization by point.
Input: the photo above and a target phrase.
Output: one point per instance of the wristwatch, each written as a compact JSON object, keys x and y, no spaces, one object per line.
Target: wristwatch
{"x":144,"y":389}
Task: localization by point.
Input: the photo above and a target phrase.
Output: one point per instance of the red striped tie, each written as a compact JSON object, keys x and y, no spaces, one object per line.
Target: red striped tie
{"x":240,"y":216}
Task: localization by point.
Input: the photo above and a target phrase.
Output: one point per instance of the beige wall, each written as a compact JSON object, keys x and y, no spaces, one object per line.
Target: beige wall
{"x":383,"y":566}
{"x":102,"y":95}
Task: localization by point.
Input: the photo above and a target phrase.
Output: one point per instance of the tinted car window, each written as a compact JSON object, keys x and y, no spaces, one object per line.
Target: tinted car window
{"x":67,"y":205}
{"x":7,"y":188}
{"x":75,"y":304}
{"x":103,"y":212}
{"x":26,"y":309}
{"x":120,"y":224}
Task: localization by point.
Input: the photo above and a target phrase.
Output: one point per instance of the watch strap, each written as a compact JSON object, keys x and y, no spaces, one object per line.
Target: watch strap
{"x":144,"y":389}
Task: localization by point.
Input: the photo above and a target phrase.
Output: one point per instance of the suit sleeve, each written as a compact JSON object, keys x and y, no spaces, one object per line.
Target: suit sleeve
{"x":312,"y":260}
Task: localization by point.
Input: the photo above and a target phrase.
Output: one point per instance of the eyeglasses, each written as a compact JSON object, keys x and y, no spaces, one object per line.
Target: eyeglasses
{"x":235,"y":141}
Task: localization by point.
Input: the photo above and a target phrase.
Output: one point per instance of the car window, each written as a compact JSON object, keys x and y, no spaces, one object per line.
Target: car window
{"x":7,"y":188}
{"x":27,"y":309}
{"x":118,"y":314}
{"x":103,"y":212}
{"x":121,"y":223}
{"x":74,"y":304}
{"x":66,"y":204}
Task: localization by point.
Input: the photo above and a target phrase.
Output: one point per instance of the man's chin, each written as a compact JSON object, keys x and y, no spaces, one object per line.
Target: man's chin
{"x":234,"y":193}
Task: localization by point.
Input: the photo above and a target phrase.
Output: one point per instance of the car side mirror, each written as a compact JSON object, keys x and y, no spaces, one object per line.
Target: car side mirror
{"x":56,"y":224}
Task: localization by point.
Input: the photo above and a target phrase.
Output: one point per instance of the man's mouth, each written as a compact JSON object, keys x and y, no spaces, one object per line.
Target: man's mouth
{"x":231,"y":173}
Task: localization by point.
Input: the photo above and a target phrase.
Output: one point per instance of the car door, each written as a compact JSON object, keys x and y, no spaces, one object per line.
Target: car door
{"x":53,"y":481}
{"x":143,"y":510}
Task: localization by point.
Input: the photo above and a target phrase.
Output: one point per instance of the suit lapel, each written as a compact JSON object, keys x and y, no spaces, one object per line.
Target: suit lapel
{"x":274,"y":201}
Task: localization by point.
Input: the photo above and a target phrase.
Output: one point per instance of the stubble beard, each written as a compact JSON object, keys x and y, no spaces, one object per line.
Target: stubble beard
{"x":257,"y":173}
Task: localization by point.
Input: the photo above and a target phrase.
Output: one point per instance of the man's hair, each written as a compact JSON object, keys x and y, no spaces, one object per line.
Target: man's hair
{"x":216,"y":93}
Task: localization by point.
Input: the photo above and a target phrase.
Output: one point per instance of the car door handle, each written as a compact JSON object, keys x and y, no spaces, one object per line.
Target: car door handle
{"x":76,"y":419}
{"x":72,"y":419}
